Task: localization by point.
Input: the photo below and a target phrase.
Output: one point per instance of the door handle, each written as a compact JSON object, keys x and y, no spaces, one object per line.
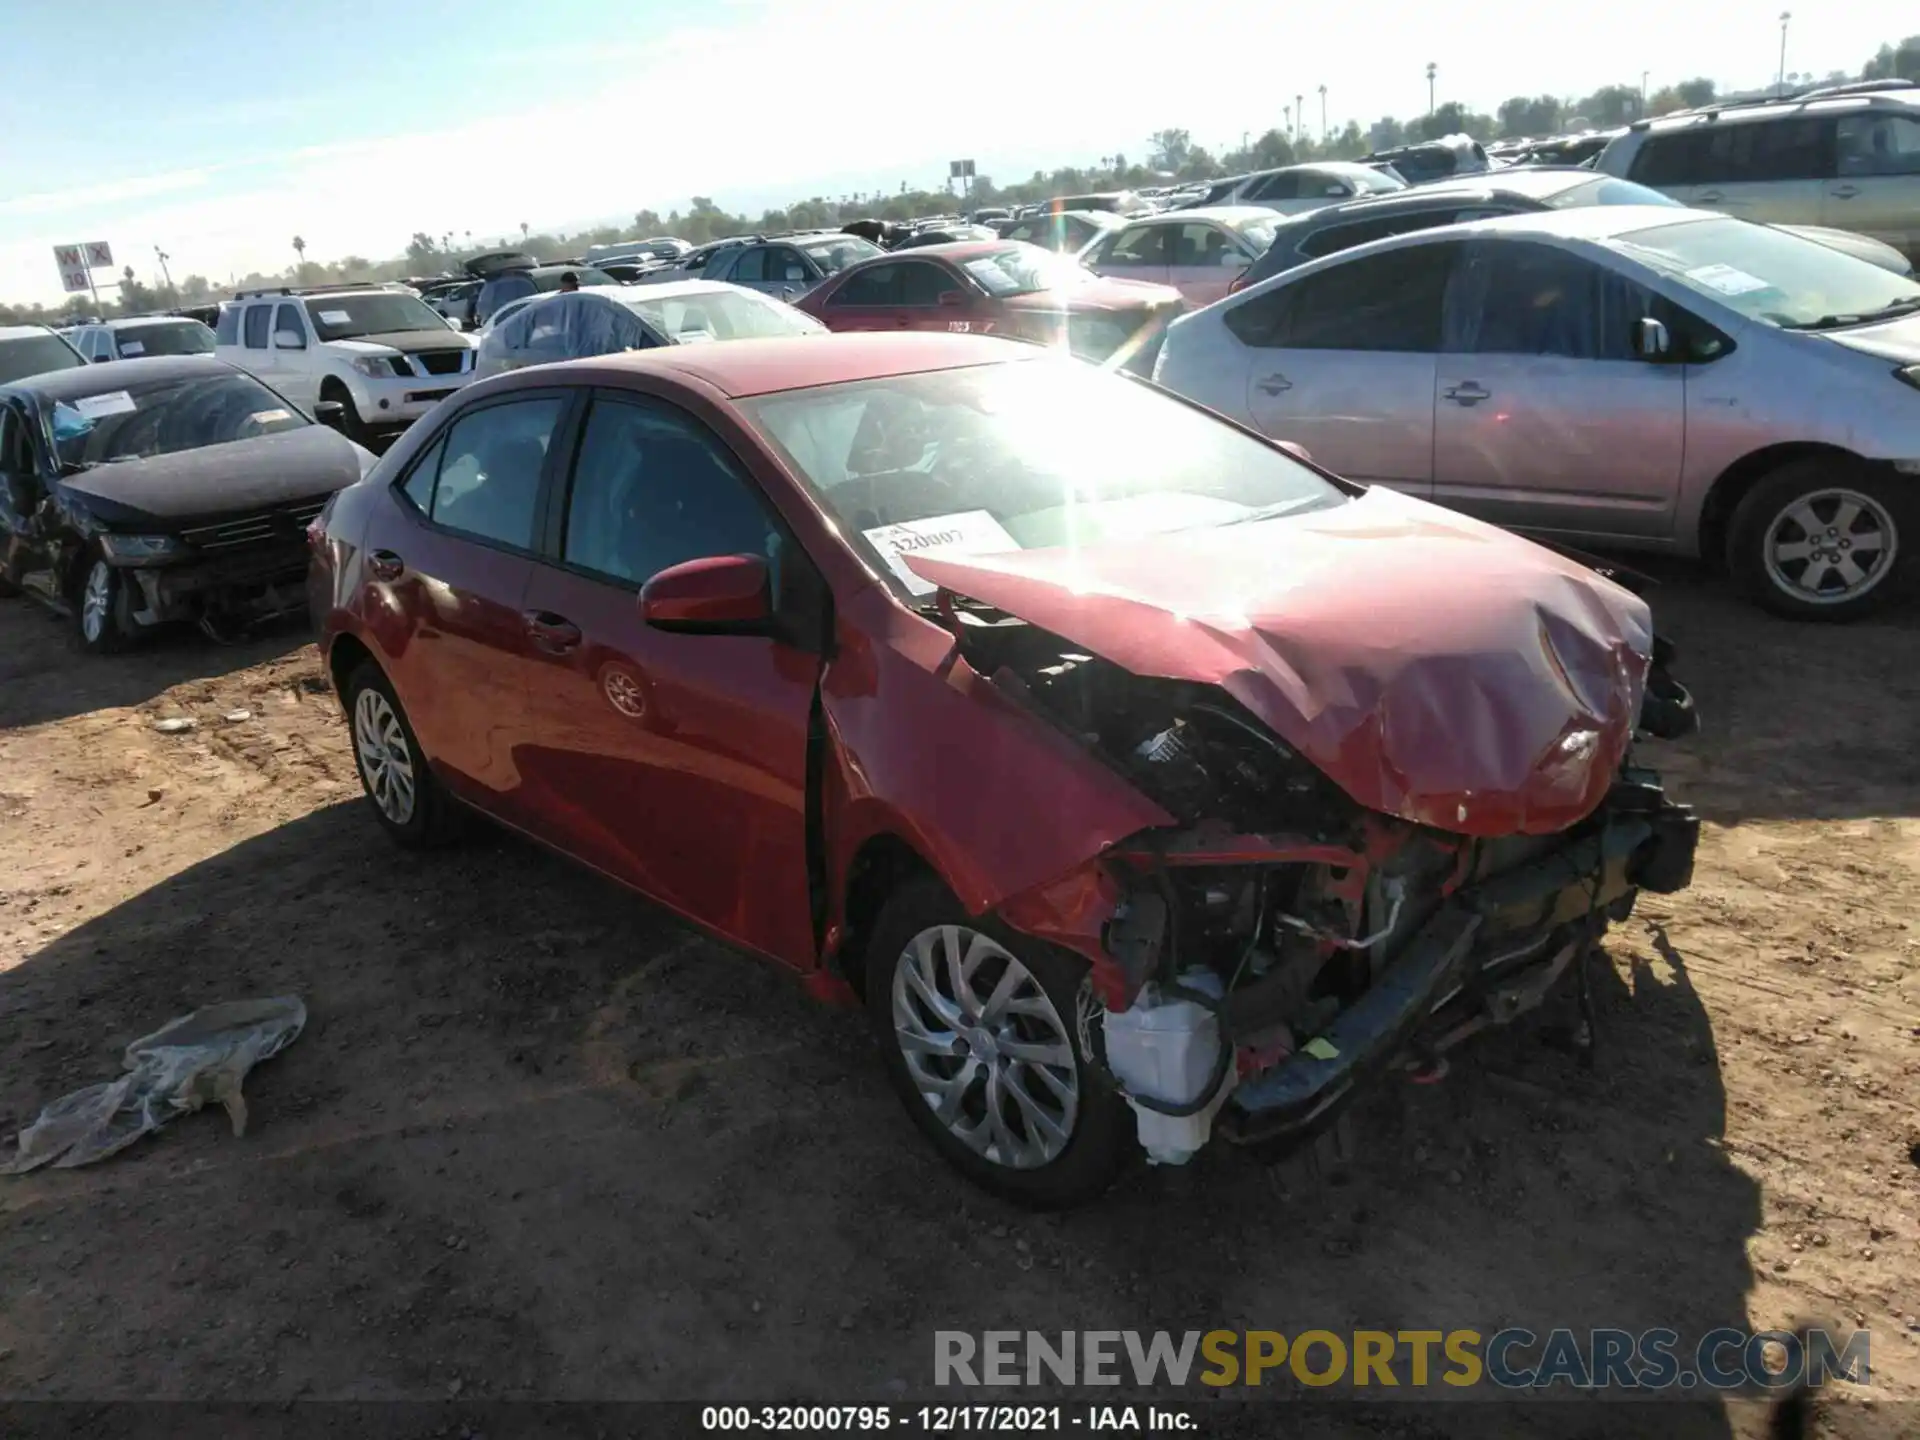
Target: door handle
{"x":1844,"y":192}
{"x":1468,"y":392}
{"x":1275,"y":384}
{"x":385,"y":565}
{"x":552,"y":633}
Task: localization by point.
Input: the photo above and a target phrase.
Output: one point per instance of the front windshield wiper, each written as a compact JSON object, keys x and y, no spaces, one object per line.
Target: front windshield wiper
{"x":1275,"y":511}
{"x":1864,"y":317}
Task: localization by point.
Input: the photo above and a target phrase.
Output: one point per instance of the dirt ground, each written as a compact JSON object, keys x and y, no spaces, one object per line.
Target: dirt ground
{"x":539,"y":1141}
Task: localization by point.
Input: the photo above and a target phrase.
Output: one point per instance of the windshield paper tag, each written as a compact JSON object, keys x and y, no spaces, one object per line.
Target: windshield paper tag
{"x":335,"y":317}
{"x":1727,"y":280}
{"x":114,"y":402}
{"x":132,"y":347}
{"x":970,"y":531}
{"x":267,"y":417}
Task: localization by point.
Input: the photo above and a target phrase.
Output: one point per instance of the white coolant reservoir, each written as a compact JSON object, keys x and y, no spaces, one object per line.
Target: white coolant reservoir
{"x":1165,"y":1047}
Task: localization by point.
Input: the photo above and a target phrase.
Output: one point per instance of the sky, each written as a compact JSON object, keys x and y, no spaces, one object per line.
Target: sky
{"x":218,"y":130}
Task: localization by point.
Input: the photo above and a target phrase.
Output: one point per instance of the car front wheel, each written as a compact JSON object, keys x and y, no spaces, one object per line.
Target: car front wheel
{"x":1823,"y":539}
{"x":102,"y":614}
{"x":406,"y":799}
{"x":978,"y":1028}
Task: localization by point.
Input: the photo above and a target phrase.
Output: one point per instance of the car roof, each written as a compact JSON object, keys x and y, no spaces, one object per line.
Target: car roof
{"x":742,"y":368}
{"x":1225,"y":214}
{"x":133,"y":322}
{"x":951,"y":249}
{"x":111,"y":375}
{"x":1585,"y":222}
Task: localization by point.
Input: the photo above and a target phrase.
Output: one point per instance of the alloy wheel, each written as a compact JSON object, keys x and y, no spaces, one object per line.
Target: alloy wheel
{"x":96,"y":601}
{"x":985,"y":1047}
{"x":386,"y":760}
{"x":1830,"y":546}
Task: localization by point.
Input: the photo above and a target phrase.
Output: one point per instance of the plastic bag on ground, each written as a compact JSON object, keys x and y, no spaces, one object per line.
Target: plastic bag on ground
{"x":198,"y":1059}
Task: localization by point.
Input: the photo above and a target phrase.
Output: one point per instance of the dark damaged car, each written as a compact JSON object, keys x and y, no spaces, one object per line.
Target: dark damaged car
{"x":135,"y":493}
{"x":1147,"y":783}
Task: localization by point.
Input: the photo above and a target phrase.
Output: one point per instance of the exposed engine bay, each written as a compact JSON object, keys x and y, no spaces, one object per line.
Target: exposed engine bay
{"x":1284,"y":943}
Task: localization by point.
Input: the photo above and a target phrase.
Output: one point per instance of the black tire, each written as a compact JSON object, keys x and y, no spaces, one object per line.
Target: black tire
{"x":1886,"y":511}
{"x":431,"y":820}
{"x":355,"y":429}
{"x":1100,"y":1136}
{"x":108,"y":627}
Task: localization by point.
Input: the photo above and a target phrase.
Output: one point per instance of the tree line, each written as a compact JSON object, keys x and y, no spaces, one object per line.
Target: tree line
{"x":1171,"y":155}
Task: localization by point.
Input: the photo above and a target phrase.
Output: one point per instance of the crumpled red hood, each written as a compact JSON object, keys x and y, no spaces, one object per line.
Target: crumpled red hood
{"x":1434,"y":667}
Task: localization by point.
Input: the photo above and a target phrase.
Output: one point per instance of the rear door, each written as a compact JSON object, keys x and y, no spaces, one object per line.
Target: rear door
{"x":449,"y":555}
{"x":789,"y":274}
{"x":868,"y":299}
{"x":1772,"y":171}
{"x":676,"y":762}
{"x":1545,"y":418}
{"x":1134,"y":252}
{"x":1876,"y":189}
{"x":1343,"y":361}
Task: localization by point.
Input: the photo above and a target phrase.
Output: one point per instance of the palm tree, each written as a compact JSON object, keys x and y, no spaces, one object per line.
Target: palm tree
{"x":1432,"y":70}
{"x":1323,"y":114}
{"x":523,"y":232}
{"x":300,"y":249}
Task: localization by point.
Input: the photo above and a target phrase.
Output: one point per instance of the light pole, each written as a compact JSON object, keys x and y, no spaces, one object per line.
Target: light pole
{"x":163,"y":257}
{"x":1643,"y":93}
{"x":1432,"y":70}
{"x":1323,"y":114}
{"x":1299,"y":116}
{"x":1785,"y":16}
{"x":1289,"y":112}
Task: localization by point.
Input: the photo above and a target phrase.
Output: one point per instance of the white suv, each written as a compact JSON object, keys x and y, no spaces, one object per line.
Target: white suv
{"x":383,"y":355}
{"x":1846,"y":157}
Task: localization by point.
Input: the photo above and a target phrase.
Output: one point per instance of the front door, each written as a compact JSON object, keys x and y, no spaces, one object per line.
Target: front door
{"x":676,"y":762}
{"x":1544,"y":416}
{"x":451,"y":554}
{"x":1342,"y":361}
{"x":1877,"y":188}
{"x":1205,"y":261}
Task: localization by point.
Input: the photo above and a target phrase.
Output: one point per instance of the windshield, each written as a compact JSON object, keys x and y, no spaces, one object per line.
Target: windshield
{"x":179,"y":337}
{"x":341,"y":317}
{"x":1607,"y":192}
{"x":1772,"y":276}
{"x":723,"y":315}
{"x":35,"y":355}
{"x":1022,"y":269}
{"x":833,"y":256}
{"x":1021,"y":455}
{"x":187,"y":413}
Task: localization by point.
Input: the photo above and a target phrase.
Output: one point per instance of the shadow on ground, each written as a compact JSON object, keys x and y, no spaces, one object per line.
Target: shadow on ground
{"x":44,"y":677}
{"x":539,"y":1141}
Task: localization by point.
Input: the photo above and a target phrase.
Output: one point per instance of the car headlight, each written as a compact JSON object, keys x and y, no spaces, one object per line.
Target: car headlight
{"x":142,"y":549}
{"x":376,"y":367}
{"x":1910,"y":374}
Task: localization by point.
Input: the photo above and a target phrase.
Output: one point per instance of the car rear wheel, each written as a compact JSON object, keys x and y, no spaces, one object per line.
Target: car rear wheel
{"x":978,"y":1026}
{"x":103,"y":619}
{"x":1823,"y":539}
{"x":406,"y":799}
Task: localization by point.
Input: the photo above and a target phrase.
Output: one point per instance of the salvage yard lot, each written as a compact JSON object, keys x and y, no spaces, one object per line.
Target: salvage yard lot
{"x":538,"y":1140}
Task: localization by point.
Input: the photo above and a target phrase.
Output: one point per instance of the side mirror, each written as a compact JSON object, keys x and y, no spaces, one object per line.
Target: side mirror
{"x":287,"y":340}
{"x":952,"y":297}
{"x":1651,"y":340}
{"x":1293,"y":448}
{"x":717,"y":595}
{"x":331,"y":413}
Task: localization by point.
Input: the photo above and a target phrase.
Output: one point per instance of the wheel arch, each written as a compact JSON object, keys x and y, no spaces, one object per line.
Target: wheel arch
{"x":346,"y":654}
{"x":1726,"y":492}
{"x":884,"y":862}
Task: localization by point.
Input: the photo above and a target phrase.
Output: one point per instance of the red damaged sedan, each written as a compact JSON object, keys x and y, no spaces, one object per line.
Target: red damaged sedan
{"x":1001,"y":287}
{"x":1147,"y":783}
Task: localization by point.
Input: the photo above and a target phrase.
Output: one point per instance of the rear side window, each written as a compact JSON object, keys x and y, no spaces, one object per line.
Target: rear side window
{"x":1361,"y":232}
{"x":751,"y":265}
{"x":1674,"y":158}
{"x":486,"y":471}
{"x":1753,"y":152}
{"x":1385,"y":303}
{"x":226,"y":326}
{"x":1284,"y":186}
{"x":872,"y":286}
{"x":1144,"y":245}
{"x":256,"y":326}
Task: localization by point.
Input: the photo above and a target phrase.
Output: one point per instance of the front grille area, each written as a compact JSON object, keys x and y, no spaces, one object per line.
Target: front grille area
{"x":443,"y":362}
{"x":282,"y":525}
